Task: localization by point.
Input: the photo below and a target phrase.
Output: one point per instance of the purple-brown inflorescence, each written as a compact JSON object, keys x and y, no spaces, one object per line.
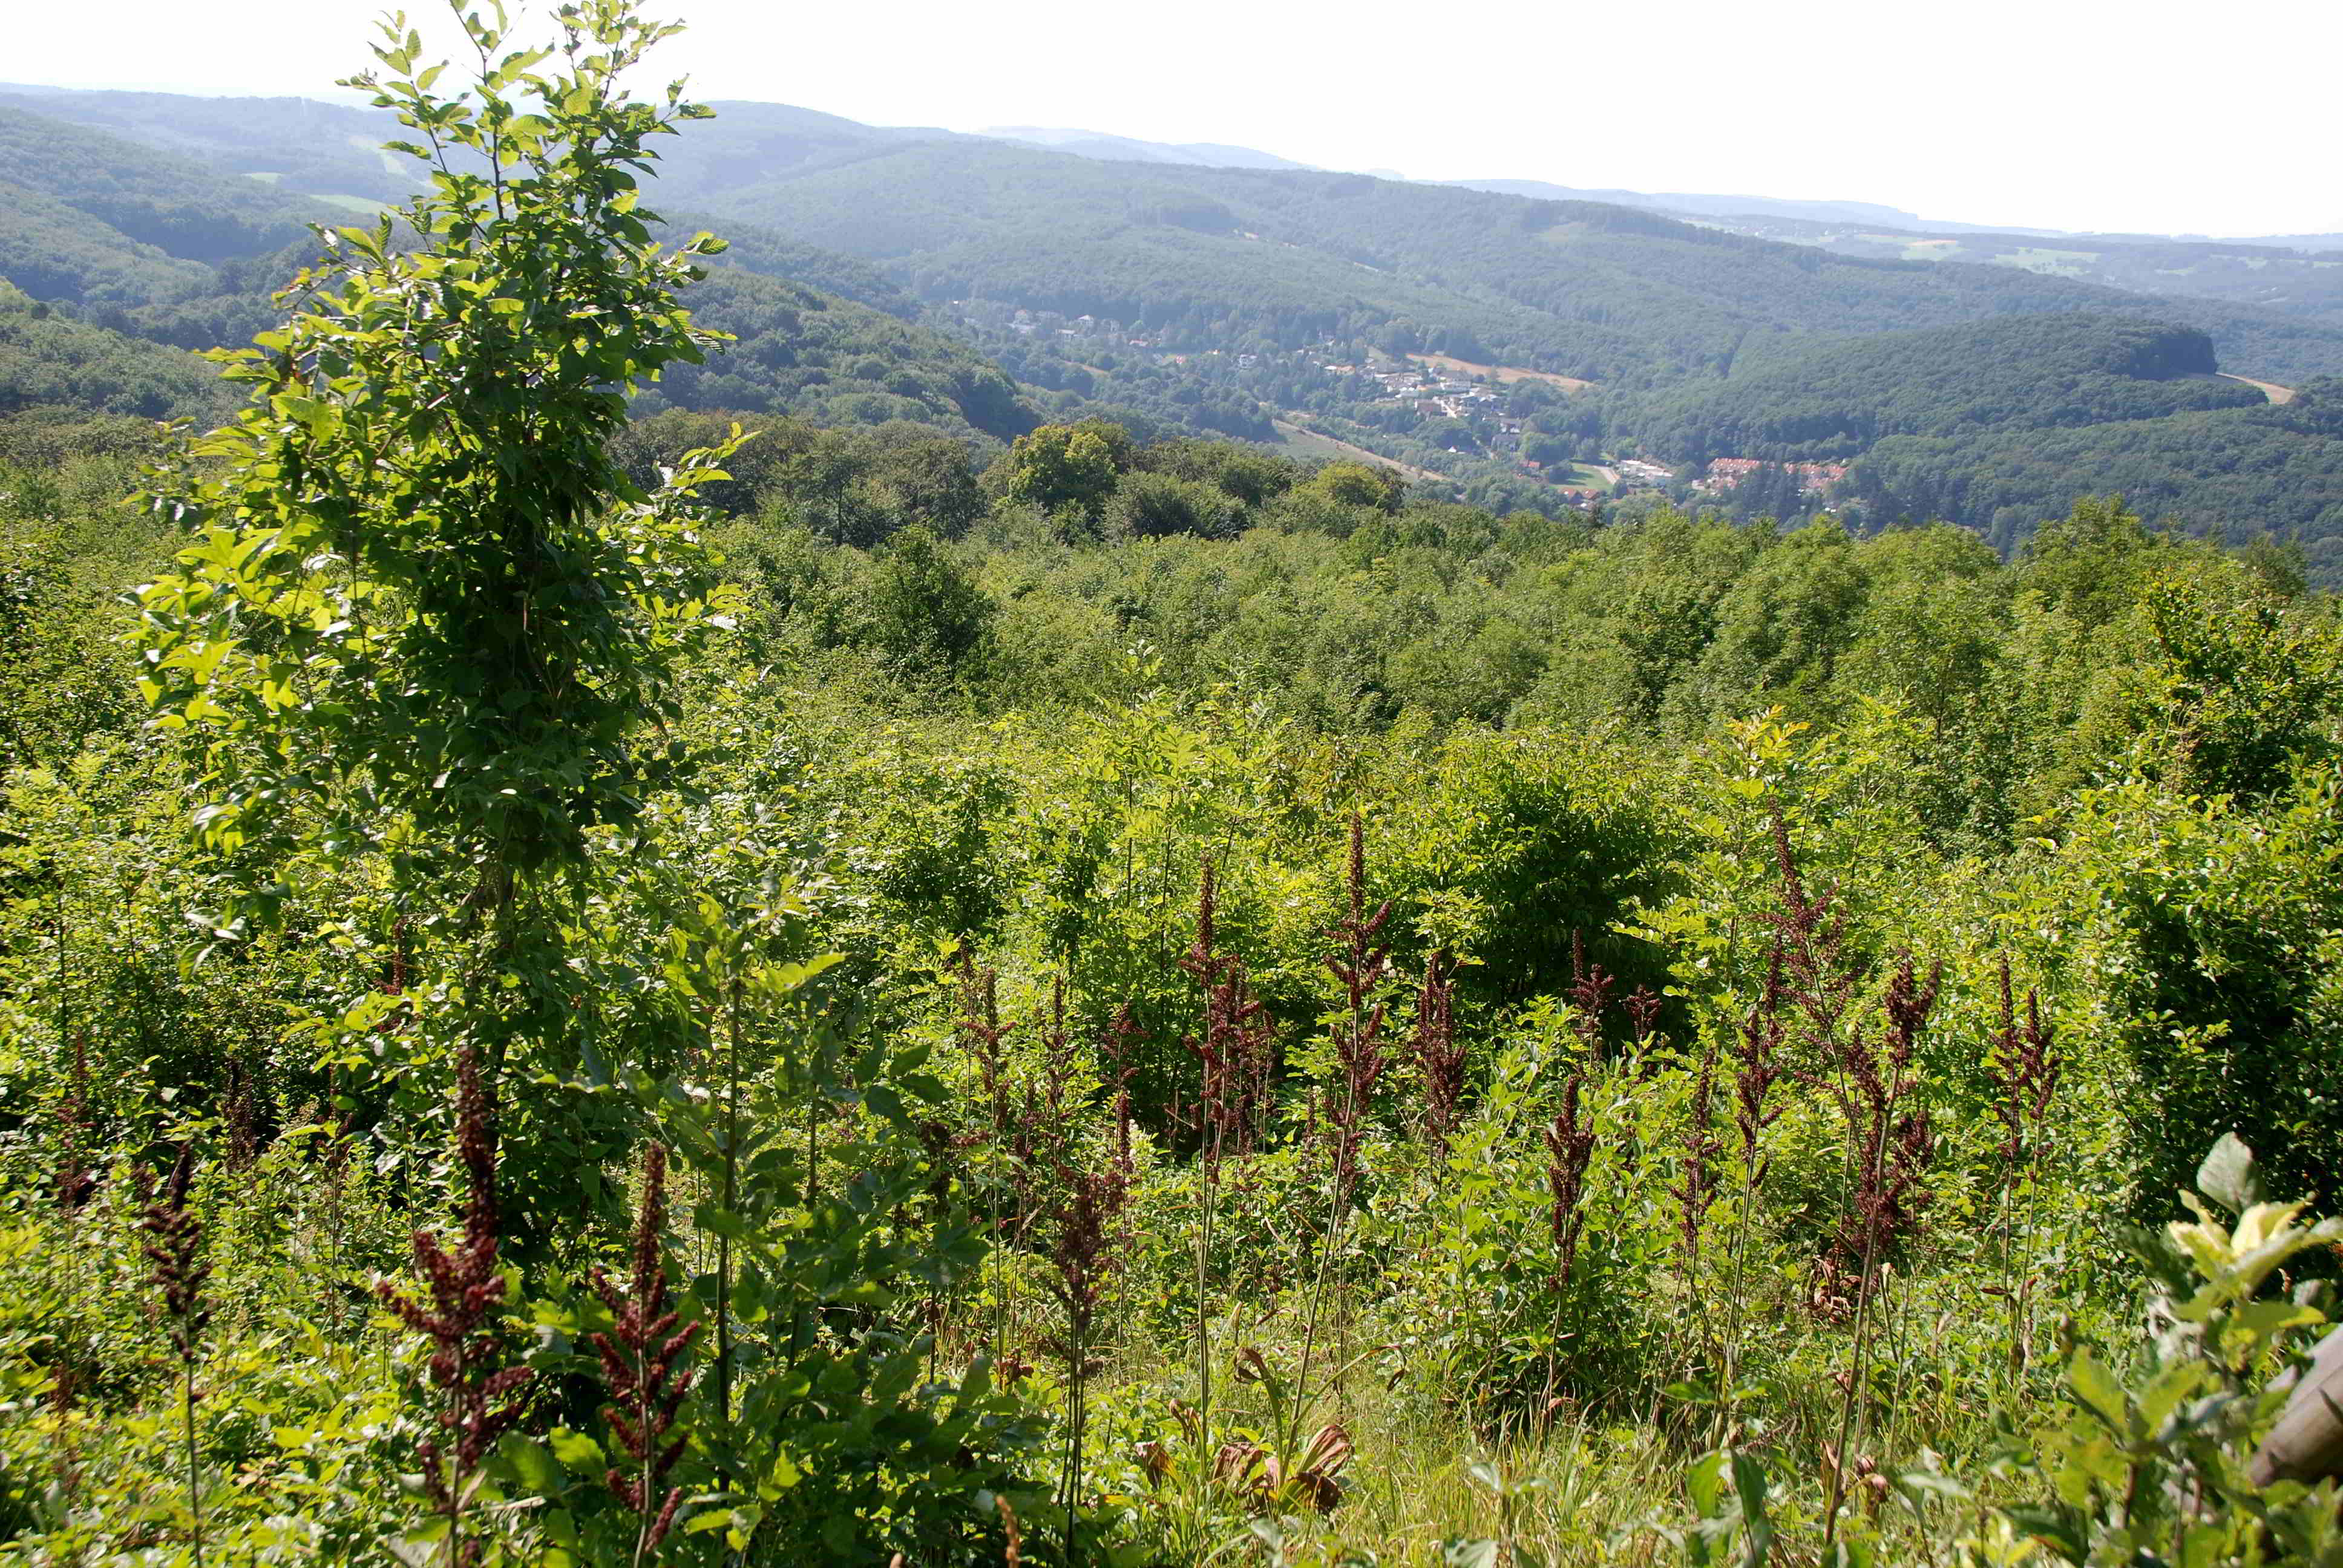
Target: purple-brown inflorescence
{"x":2026,"y":1072}
{"x":642,"y":1356}
{"x":175,"y":1239}
{"x":464,"y":1290}
{"x":1809,"y":934}
{"x":986,"y":1038}
{"x":1081,"y":1249}
{"x":1439,"y":1054}
{"x":1643,"y":1007}
{"x":76,"y":1180}
{"x":1590,"y":994}
{"x":1569,"y":1147}
{"x":1082,"y":1252}
{"x":1236,"y":1045}
{"x":243,"y":1116}
{"x":173,"y":1249}
{"x":1121,"y":1033}
{"x":1697,"y":1188}
{"x":1361,"y":965}
{"x":1871,"y":1078}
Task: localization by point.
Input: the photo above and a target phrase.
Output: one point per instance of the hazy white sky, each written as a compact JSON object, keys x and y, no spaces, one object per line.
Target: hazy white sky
{"x":2068,"y":114}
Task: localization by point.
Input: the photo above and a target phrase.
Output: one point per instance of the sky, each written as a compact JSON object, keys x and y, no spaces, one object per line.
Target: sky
{"x":2056,"y":113}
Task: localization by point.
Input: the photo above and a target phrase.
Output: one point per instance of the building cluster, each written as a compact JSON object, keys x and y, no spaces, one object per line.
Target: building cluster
{"x":1729,"y":473}
{"x":1103,"y":329}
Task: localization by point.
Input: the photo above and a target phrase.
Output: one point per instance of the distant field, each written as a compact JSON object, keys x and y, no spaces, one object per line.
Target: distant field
{"x":2057,"y":263}
{"x":1453,"y":366}
{"x":2270,"y":389}
{"x":356,"y":204}
{"x":1931,"y":250}
{"x":1311,"y":443}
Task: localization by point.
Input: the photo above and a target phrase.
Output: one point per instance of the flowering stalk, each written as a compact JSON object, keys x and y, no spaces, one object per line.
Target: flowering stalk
{"x":463,"y":1290}
{"x":1643,"y":1007}
{"x":1082,"y":1254}
{"x":1891,"y":1151}
{"x":77,"y":1182}
{"x":1218,"y":1051}
{"x":641,"y":1367}
{"x":1570,"y":1148}
{"x":1361,"y":965}
{"x":174,"y":1244}
{"x":1757,"y":1067}
{"x":1695,"y":1189}
{"x":1439,"y":1054}
{"x":243,"y":1116}
{"x":2025,"y":1070}
{"x":1590,"y":994}
{"x":985,"y":1038}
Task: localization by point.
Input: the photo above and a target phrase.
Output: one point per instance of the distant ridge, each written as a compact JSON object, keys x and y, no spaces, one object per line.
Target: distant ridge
{"x":1706,"y":206}
{"x":1129,"y":150}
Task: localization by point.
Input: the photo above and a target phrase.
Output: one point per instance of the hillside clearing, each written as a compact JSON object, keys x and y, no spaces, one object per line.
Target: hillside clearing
{"x":1311,"y":443}
{"x":1504,"y":372}
{"x":2270,"y":389}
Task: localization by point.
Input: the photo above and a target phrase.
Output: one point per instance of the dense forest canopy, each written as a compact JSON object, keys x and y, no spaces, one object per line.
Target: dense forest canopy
{"x":1804,"y":397}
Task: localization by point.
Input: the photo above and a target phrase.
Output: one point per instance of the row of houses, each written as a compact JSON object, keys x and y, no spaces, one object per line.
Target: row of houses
{"x":1729,"y":473}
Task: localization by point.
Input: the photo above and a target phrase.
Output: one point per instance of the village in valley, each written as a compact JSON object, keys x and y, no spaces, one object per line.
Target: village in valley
{"x":1485,"y":415}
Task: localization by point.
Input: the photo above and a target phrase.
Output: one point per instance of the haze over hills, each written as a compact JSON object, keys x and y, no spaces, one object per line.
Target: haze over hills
{"x":1520,"y":348}
{"x":1125,"y":149}
{"x":159,"y":252}
{"x":1682,"y":202}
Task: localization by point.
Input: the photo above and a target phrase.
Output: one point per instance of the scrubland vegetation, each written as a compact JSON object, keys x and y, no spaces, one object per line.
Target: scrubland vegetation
{"x":577,"y":992}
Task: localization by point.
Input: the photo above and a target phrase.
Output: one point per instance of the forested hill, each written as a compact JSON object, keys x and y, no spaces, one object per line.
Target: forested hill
{"x":176,"y":205}
{"x":1799,"y":397}
{"x":976,"y":286}
{"x":1223,"y":256}
{"x":52,"y":361}
{"x":1580,"y":288}
{"x":137,"y":253}
{"x":2229,"y":472}
{"x":2288,"y":276}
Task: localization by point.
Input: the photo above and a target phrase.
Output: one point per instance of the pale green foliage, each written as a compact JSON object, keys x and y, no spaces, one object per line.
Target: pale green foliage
{"x":421,"y":589}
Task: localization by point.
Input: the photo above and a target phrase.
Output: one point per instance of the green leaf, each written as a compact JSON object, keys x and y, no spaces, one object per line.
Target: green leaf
{"x":2227,"y":1175}
{"x":577,"y":1452}
{"x":2096,"y":1391}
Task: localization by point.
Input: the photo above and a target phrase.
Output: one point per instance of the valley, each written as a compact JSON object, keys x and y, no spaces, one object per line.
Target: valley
{"x":1188,"y":297}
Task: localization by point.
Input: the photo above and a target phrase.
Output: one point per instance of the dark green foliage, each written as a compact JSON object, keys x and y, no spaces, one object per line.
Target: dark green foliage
{"x":2235,"y":472}
{"x":1295,"y":258}
{"x":50,"y":360}
{"x":175,"y":204}
{"x":825,"y":358}
{"x":1793,"y":397}
{"x":1155,"y":506}
{"x":926,"y":615}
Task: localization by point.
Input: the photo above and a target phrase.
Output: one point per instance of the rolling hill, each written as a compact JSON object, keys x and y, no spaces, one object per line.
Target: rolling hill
{"x":1583,"y":289}
{"x":137,"y":253}
{"x":884,"y":274}
{"x":1798,"y":397}
{"x":1128,"y":149}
